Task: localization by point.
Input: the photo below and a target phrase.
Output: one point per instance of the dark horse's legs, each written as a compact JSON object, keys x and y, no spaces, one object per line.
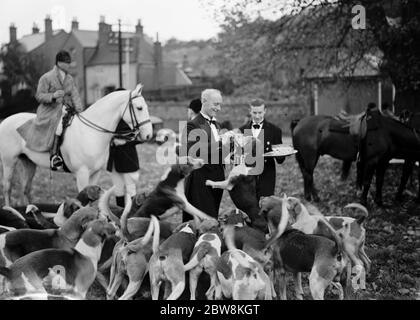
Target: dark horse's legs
{"x":345,"y":170}
{"x":407,"y":171}
{"x":380,"y":174}
{"x":366,"y":184}
{"x":307,"y":165}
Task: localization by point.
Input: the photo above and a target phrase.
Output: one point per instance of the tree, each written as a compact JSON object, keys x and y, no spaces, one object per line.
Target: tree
{"x":19,"y":67}
{"x":312,"y":35}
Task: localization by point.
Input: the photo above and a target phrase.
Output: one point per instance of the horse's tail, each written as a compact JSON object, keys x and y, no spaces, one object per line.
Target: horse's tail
{"x":362,"y":214}
{"x":360,"y":165}
{"x":293,"y":125}
{"x":124,"y":216}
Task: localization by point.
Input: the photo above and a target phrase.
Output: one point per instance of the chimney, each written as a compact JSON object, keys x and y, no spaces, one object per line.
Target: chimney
{"x":139,"y":28}
{"x":35,"y":29}
{"x":157,"y":52}
{"x":48,"y":28}
{"x":13,"y":33}
{"x":104,"y":31}
{"x":75,"y":24}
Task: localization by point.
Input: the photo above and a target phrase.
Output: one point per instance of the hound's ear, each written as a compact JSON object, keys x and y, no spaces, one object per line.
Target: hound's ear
{"x":137,"y":91}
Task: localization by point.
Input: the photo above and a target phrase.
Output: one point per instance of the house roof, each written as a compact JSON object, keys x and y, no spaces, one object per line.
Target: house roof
{"x":87,"y":38}
{"x":33,"y":41}
{"x":143,"y":51}
{"x":174,"y":76}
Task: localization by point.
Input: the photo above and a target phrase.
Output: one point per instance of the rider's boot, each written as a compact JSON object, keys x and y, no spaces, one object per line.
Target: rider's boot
{"x":56,"y":162}
{"x":120,"y":201}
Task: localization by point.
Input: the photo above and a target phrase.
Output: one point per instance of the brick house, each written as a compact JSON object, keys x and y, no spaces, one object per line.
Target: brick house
{"x":96,"y":58}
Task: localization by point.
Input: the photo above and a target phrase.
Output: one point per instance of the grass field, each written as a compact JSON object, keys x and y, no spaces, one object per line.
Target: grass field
{"x":393,"y":233}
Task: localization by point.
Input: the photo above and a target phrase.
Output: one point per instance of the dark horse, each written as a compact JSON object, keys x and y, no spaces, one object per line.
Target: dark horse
{"x":386,"y":139}
{"x":315,"y":136}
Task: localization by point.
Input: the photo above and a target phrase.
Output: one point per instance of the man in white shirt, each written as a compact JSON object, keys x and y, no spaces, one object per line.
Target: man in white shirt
{"x":211,"y":145}
{"x":271,"y":135}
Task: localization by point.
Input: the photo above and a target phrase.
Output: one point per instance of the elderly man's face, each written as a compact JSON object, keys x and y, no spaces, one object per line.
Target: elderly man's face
{"x":257,"y":113}
{"x":212,"y":104}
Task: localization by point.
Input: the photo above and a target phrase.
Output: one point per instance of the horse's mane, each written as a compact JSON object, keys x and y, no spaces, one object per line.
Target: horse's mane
{"x":400,"y":123}
{"x":110,"y":96}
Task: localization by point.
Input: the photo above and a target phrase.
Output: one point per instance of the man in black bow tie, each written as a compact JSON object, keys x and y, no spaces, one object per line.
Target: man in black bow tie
{"x":203,"y":132}
{"x":259,"y":128}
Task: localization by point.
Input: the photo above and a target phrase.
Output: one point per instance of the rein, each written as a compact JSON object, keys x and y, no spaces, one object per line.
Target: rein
{"x":128,"y":135}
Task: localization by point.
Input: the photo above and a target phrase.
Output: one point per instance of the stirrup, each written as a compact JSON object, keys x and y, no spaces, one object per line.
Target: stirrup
{"x":56,"y":162}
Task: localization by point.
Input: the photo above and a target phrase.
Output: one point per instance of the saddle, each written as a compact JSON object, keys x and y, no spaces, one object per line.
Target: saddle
{"x":339,"y":126}
{"x":354,"y":125}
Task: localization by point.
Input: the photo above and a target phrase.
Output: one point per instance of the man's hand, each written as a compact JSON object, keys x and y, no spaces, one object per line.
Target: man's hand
{"x":118,"y":142}
{"x":58,"y":94}
{"x":227,"y":136}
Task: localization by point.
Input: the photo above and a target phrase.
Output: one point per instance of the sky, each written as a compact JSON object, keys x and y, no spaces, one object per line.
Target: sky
{"x":182,"y":19}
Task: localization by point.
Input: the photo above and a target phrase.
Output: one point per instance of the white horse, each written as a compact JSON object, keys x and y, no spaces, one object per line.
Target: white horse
{"x":85,"y":148}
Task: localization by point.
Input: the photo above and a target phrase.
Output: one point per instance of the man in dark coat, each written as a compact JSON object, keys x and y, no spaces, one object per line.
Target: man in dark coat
{"x":123,"y":163}
{"x":259,"y":127}
{"x":206,"y":127}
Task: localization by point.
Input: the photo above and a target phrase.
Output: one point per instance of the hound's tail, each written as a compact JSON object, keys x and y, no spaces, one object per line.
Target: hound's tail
{"x":282,"y":224}
{"x":363,"y":213}
{"x":229,"y":236}
{"x":137,"y":244}
{"x":156,"y":235}
{"x":14,"y":212}
{"x":335,"y":236}
{"x":103,"y":205}
{"x":124,"y":216}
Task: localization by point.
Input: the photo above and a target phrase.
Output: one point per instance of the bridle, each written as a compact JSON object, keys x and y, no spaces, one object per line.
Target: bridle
{"x":128,"y":135}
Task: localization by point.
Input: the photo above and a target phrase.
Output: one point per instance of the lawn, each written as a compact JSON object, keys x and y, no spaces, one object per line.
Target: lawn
{"x":393,"y":233}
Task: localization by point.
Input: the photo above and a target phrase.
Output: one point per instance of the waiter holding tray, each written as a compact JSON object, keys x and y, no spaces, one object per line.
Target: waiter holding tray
{"x":272,"y":135}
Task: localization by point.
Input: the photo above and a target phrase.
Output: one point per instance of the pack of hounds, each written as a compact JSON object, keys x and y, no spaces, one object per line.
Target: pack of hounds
{"x":86,"y":240}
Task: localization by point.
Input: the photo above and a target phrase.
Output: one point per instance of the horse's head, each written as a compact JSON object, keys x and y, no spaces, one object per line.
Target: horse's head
{"x":136,"y":115}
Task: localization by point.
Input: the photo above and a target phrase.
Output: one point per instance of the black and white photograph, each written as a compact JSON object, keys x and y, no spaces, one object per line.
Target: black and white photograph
{"x":228,"y":151}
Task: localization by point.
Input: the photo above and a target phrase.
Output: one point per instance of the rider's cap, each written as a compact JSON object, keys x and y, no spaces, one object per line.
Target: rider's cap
{"x":63,"y":56}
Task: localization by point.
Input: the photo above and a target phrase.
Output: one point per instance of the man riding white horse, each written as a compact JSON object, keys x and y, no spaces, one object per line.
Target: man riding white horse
{"x":85,"y":145}
{"x":56,"y":89}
